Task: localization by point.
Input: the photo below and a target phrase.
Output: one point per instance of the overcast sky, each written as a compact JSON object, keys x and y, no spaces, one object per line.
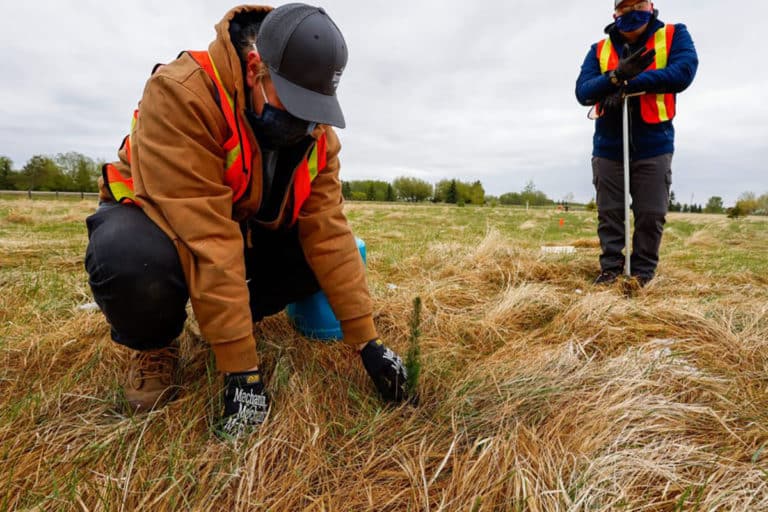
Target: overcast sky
{"x":433,"y":89}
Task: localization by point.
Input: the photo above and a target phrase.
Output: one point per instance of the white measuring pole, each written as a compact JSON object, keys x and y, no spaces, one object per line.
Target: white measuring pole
{"x":625,"y":144}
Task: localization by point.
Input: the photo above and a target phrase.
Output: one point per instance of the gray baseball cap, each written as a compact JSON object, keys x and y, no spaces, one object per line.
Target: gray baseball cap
{"x":306,"y":55}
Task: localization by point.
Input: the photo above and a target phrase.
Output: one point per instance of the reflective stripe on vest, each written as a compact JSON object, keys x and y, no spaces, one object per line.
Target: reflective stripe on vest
{"x":119,"y":187}
{"x":306,"y":173}
{"x":237,"y":170}
{"x":654,"y":108}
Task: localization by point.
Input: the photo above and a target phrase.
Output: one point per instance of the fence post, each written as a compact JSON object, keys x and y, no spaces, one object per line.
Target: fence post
{"x":29,"y":193}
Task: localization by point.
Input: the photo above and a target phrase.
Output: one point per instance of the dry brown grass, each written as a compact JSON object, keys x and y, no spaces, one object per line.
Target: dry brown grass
{"x":539,"y":391}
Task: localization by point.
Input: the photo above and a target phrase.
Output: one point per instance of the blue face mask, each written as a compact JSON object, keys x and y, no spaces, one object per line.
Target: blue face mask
{"x":633,"y":20}
{"x":275,"y":128}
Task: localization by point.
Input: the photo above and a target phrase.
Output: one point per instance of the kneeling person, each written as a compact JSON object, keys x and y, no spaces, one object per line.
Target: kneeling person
{"x":227,"y":193}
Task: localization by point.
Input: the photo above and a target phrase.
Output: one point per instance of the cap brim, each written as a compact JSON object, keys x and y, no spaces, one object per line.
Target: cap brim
{"x":308,"y":105}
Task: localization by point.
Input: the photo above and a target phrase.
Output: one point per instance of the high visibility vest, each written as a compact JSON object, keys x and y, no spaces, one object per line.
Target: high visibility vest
{"x":654,"y":108}
{"x":237,"y":169}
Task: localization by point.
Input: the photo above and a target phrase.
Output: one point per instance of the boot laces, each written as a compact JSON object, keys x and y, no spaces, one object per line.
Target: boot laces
{"x":156,"y":363}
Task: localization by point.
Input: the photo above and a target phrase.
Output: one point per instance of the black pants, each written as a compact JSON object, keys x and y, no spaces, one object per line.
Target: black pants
{"x":649,"y":183}
{"x":137,"y":279}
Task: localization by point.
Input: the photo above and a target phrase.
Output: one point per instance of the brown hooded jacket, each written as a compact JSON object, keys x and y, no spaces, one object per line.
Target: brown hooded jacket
{"x":177,"y":163}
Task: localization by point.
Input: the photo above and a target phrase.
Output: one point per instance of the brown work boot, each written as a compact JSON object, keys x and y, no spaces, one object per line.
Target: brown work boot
{"x":150,"y":380}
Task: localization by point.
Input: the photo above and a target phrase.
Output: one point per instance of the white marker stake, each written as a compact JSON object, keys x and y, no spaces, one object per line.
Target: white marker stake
{"x":627,"y":231}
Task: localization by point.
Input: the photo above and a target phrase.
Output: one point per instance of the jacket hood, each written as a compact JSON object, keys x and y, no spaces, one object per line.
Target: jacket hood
{"x":225,"y":56}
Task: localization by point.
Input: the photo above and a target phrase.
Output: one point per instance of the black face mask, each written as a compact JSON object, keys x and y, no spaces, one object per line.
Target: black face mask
{"x":277,"y":129}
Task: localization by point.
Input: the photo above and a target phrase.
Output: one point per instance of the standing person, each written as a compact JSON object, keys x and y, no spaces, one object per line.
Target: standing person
{"x":640,"y":54}
{"x":227,"y":193}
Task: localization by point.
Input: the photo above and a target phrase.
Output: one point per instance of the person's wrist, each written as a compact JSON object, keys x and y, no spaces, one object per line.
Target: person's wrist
{"x":615,"y":78}
{"x":364,"y":344}
{"x":250,"y":370}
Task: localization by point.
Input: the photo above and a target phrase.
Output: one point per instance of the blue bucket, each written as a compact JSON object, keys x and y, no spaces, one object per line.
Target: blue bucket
{"x":313,"y":317}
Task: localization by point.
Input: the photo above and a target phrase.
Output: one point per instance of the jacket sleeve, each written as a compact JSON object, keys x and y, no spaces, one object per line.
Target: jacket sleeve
{"x":592,"y":85}
{"x":332,"y":253}
{"x":679,"y":73}
{"x":123,"y":167}
{"x":181,"y":163}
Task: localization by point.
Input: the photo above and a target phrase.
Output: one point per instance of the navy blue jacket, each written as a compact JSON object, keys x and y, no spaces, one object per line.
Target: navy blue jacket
{"x":646,"y":140}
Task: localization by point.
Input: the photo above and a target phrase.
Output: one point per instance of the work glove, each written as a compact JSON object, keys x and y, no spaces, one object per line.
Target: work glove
{"x":386,"y":370}
{"x":631,"y":65}
{"x":612,"y":102}
{"x":245,"y":404}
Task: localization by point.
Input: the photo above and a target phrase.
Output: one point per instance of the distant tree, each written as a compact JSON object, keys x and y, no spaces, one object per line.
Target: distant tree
{"x":358,"y":196}
{"x":41,"y":173}
{"x":80,"y":172}
{"x":685,"y":208}
{"x":762,"y":205}
{"x":735,"y":212}
{"x":412,"y":189}
{"x":476,"y":193}
{"x":7,"y":176}
{"x":511,"y":198}
{"x":346,"y":190}
{"x":530,"y":195}
{"x":747,"y":203}
{"x":674,"y":205}
{"x":452,"y":194}
{"x":391,"y":196}
{"x":591,"y":205}
{"x":374,"y":190}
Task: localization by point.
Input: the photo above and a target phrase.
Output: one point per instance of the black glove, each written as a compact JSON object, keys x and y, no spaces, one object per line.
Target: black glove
{"x":386,"y":370}
{"x":612,"y":102}
{"x":631,"y":65}
{"x":245,"y":403}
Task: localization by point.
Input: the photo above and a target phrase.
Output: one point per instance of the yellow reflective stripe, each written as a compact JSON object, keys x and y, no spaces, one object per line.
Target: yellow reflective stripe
{"x":663,"y":116}
{"x":660,"y":43}
{"x":312,"y":163}
{"x":662,"y":56}
{"x":130,"y":132}
{"x":232,"y":155}
{"x":121,"y":191}
{"x":605,"y":55}
{"x":226,"y":93}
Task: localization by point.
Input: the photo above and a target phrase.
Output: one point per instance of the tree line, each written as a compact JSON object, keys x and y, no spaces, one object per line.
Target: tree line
{"x":65,"y":172}
{"x":747,"y":204}
{"x":451,"y":191}
{"x":75,"y":172}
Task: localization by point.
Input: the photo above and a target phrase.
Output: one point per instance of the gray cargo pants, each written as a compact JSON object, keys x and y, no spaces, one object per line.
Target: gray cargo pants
{"x":649,"y":183}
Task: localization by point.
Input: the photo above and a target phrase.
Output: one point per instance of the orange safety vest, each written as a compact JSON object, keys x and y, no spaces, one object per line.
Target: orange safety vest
{"x":654,"y":108}
{"x":237,"y":171}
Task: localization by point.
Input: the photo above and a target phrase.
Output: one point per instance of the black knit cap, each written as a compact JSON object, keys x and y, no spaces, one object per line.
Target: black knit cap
{"x":306,"y":55}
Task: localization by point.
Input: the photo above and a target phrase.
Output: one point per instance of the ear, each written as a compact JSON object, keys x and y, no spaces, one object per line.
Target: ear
{"x":252,"y":65}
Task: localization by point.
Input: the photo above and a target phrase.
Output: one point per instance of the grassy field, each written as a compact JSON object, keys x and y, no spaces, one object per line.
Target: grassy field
{"x":539,"y":391}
